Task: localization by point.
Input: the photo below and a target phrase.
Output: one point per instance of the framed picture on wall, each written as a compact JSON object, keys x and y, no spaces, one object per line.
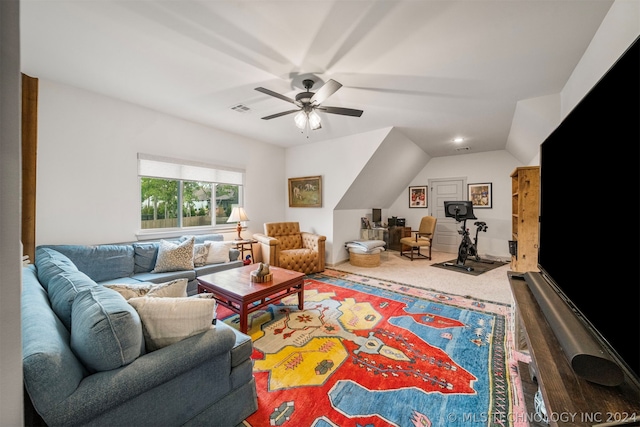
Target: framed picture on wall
{"x":418,"y":196}
{"x":480,"y":195}
{"x":305,"y":192}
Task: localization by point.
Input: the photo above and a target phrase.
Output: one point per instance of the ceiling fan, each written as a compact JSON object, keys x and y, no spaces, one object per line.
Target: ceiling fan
{"x":307,"y":102}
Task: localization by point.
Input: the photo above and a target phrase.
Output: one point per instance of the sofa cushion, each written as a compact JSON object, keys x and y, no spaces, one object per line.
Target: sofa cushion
{"x":106,"y":332}
{"x":218,"y":252}
{"x":100,"y":262}
{"x":174,"y":288}
{"x":164,"y":277}
{"x":63,"y":289}
{"x":144,"y":256}
{"x":168,"y":320}
{"x":290,"y":241}
{"x":174,"y":257}
{"x":204,"y":237}
{"x":50,"y":263}
{"x":200,"y":253}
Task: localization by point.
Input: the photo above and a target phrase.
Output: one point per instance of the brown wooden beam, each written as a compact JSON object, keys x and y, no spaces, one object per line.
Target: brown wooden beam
{"x":29,"y":163}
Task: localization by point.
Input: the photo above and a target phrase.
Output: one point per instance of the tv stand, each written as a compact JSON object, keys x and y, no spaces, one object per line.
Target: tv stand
{"x":569,"y":399}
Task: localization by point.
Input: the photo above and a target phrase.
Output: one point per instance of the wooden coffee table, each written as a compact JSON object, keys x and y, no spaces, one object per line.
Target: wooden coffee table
{"x":234,"y":289}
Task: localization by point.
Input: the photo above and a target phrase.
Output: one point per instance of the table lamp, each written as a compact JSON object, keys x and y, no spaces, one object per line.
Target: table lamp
{"x":238,"y":215}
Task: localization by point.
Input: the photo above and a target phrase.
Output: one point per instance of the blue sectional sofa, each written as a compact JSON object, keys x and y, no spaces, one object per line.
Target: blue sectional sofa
{"x":134,"y":262}
{"x":85,"y":361}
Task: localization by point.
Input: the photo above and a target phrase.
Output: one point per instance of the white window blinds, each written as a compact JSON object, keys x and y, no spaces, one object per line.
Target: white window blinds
{"x":164,"y":167}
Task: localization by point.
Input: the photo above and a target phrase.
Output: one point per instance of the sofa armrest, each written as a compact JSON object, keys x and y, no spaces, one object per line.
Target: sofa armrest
{"x":316,"y":243}
{"x":269,"y":247}
{"x":104,"y":391}
{"x":312,"y":241}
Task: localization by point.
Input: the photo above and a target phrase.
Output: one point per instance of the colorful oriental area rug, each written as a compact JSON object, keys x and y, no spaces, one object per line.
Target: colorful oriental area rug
{"x":366,"y":352}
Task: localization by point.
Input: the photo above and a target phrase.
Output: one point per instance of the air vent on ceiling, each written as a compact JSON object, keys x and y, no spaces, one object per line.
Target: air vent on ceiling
{"x":241,"y":108}
{"x":462,"y":149}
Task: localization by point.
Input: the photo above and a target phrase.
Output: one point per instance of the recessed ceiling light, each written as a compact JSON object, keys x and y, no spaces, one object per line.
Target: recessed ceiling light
{"x":458,"y":139}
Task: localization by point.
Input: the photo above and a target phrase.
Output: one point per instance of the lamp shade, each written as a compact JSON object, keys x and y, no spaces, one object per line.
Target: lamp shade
{"x":237,"y":215}
{"x":314,"y":120}
{"x":301,"y":120}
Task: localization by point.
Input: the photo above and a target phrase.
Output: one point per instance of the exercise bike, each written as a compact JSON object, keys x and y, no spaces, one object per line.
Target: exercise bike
{"x":462,"y":211}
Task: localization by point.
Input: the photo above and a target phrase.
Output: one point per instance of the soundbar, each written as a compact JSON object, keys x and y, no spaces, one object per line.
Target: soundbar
{"x":587,"y":356}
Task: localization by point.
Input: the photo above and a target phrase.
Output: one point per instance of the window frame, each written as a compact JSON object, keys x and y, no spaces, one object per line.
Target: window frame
{"x":177,"y":169}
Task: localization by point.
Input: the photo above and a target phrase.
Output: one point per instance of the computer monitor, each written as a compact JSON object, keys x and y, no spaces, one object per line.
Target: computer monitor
{"x":460,"y":210}
{"x":376,"y":216}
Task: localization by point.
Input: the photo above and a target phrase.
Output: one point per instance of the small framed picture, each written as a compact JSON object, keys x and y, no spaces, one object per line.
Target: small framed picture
{"x":480,"y":195}
{"x":418,"y":196}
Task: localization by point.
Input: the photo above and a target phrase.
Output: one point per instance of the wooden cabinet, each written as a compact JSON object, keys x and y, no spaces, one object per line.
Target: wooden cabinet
{"x":397,"y":233}
{"x":525,"y":196}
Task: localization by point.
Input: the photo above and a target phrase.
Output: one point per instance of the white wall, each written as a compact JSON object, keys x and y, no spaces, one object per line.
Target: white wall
{"x":535,"y":118}
{"x":11,"y":403}
{"x":339,"y":162}
{"x":533,"y":121}
{"x":494,"y":167}
{"x":87,"y":183}
{"x":620,"y":27}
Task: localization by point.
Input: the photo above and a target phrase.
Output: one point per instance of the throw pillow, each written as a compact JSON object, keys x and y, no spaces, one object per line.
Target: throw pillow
{"x":106,"y":332}
{"x":218,"y":252}
{"x":173,"y":288}
{"x":168,"y":320}
{"x":200,"y":253}
{"x":174,"y":257}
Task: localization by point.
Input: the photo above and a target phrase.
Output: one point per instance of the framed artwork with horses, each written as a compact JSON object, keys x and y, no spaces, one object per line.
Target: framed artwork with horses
{"x":305,"y":192}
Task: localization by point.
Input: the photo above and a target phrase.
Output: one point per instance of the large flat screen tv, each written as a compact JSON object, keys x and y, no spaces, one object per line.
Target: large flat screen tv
{"x":589,"y":222}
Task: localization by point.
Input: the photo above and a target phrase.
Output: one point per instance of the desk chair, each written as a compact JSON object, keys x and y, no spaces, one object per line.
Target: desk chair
{"x":422,"y":238}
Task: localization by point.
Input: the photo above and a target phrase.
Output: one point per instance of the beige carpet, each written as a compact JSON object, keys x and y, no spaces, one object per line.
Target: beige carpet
{"x":491,"y":286}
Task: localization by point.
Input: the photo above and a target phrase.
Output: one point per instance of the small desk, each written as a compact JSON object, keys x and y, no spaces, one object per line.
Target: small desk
{"x":245,"y":245}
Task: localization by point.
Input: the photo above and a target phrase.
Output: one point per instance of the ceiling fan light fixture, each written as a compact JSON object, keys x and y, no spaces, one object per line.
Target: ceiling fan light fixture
{"x":301,"y":120}
{"x":307,"y":102}
{"x":314,"y":120}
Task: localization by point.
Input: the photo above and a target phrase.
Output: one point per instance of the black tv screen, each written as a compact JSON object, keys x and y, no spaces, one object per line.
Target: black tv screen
{"x":589,"y":191}
{"x":376,"y":216}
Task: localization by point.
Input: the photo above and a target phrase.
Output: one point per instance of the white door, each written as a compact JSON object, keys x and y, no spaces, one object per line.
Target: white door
{"x":446,"y":238}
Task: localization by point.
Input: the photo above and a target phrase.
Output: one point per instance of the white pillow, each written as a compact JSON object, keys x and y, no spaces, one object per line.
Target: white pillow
{"x":168,"y":320}
{"x":218,"y":252}
{"x":173,"y":288}
{"x":174,"y":257}
{"x":200,"y":253}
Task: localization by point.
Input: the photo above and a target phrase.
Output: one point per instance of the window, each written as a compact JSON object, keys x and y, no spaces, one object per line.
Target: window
{"x":178,"y":194}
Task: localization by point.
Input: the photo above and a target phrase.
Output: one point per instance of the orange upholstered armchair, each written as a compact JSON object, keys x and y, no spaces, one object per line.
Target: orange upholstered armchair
{"x":284,"y":245}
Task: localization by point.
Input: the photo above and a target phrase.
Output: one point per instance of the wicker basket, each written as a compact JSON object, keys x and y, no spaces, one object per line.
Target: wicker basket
{"x":364,"y":260}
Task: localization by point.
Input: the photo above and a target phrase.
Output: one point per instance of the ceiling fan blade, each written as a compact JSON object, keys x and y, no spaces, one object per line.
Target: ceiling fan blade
{"x":284,"y":113}
{"x":340,"y":110}
{"x":327,"y":89}
{"x":275,"y":94}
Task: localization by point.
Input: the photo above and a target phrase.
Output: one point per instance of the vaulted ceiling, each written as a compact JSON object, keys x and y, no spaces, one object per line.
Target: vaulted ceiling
{"x":433,"y":70}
